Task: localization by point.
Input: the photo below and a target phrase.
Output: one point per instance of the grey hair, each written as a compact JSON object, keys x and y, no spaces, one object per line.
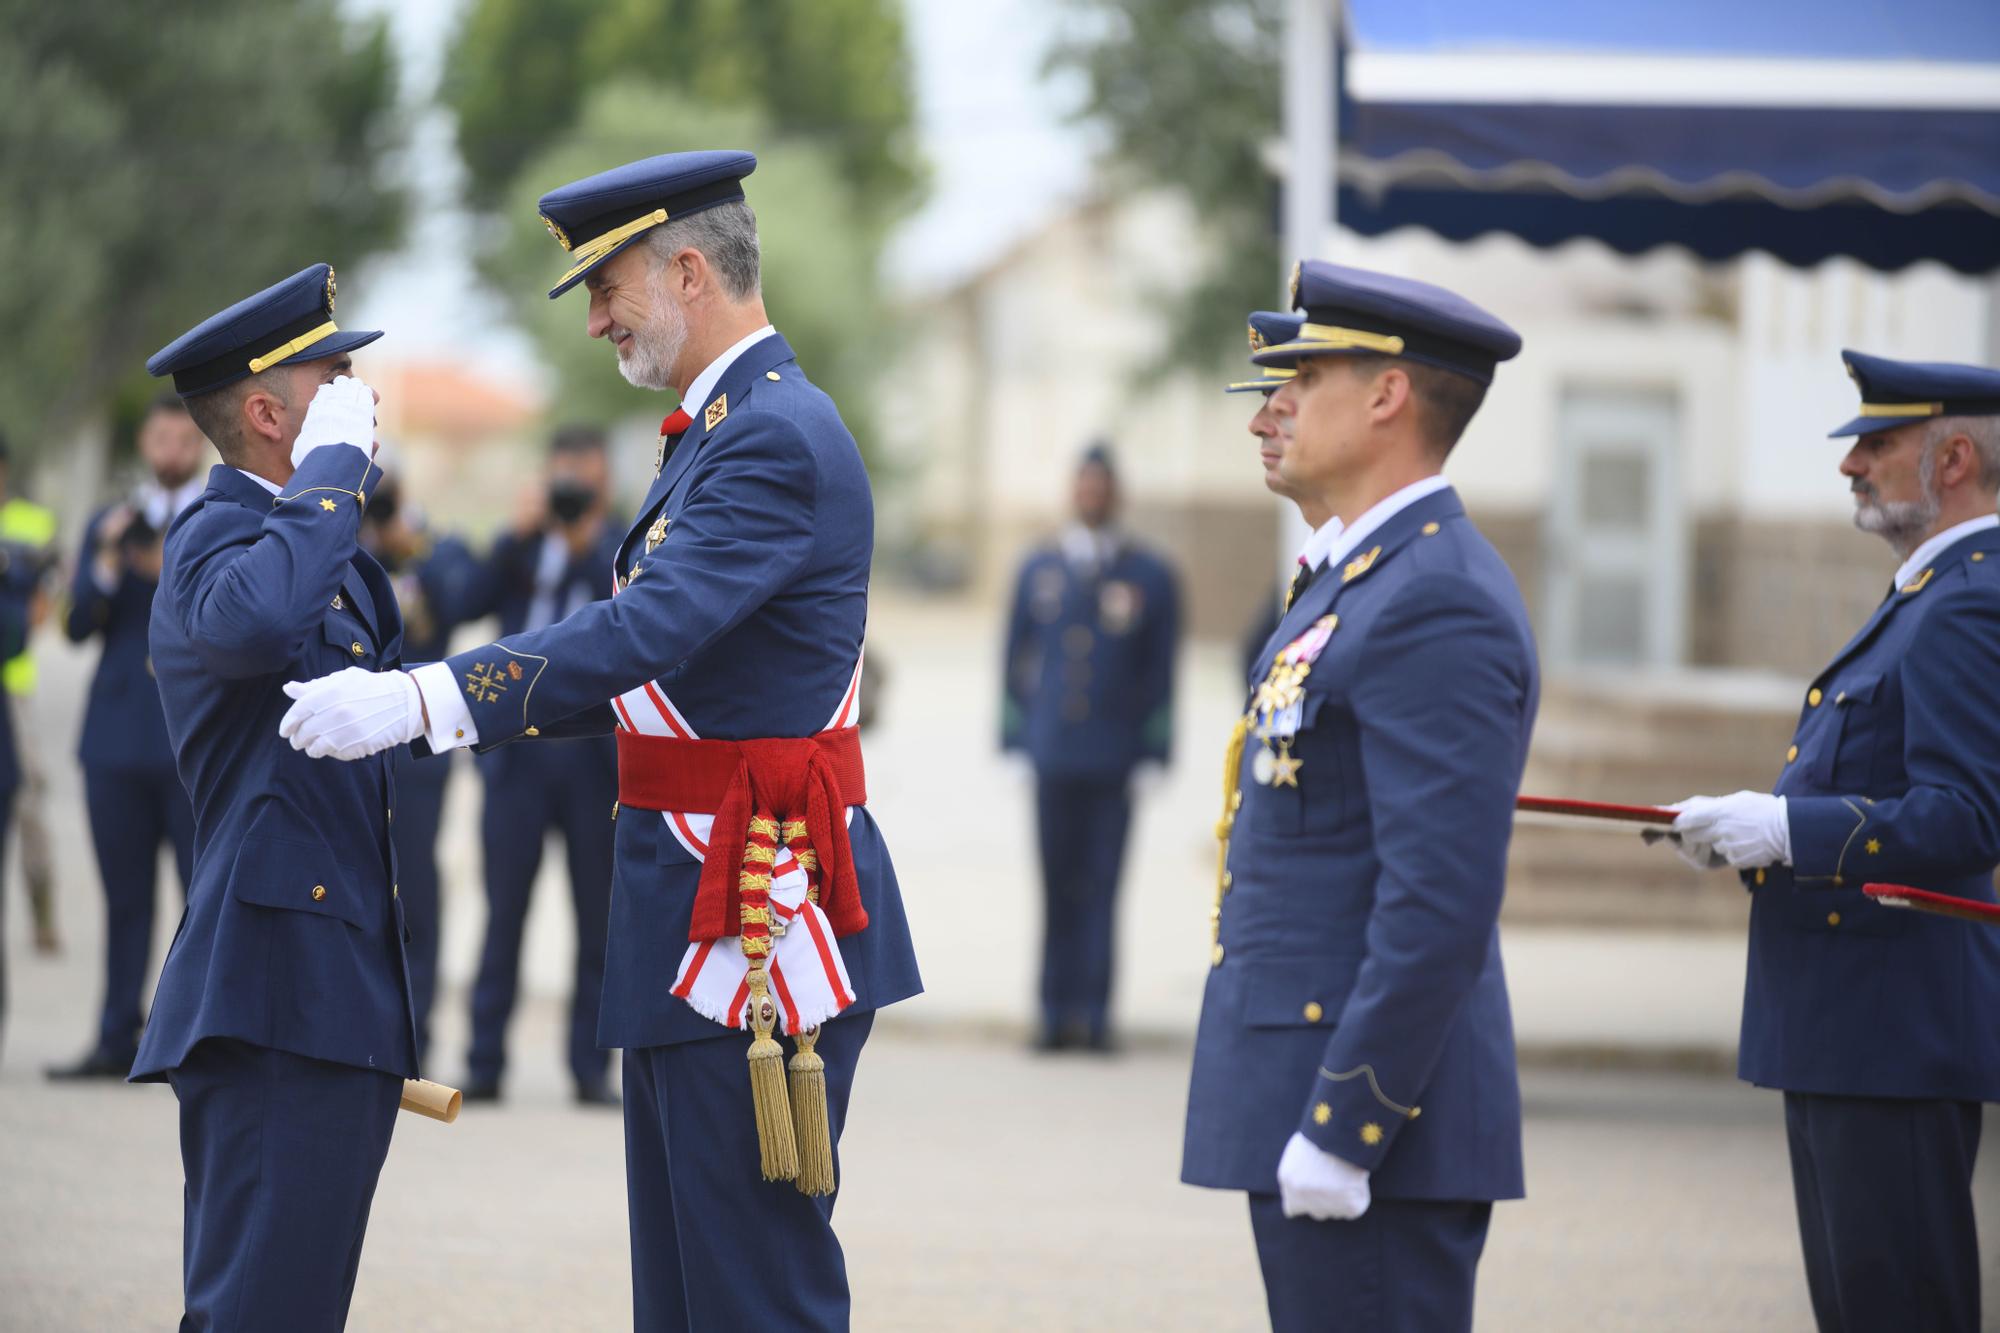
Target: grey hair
{"x":1984,"y":432}
{"x":725,"y":234}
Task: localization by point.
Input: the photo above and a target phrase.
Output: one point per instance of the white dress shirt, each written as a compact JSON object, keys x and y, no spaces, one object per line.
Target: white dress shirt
{"x":1313,"y":554}
{"x":450,"y":720}
{"x":1921,"y":558}
{"x":1361,"y":529}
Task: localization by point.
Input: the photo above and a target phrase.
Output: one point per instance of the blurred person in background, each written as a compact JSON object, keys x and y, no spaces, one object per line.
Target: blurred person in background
{"x":436,"y":579}
{"x":28,"y":533}
{"x":1089,"y":683}
{"x":1880,"y":1025}
{"x":22,"y":574}
{"x":1355,"y":980}
{"x":133,"y":795}
{"x":558,"y":557}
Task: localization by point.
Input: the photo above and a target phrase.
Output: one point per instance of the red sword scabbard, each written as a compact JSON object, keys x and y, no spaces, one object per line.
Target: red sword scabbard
{"x":1938,"y":904}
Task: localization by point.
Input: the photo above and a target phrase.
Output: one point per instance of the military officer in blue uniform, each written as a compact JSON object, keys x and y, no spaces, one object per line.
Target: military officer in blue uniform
{"x":133,"y":796}
{"x":1354,"y":1064}
{"x":1089,"y":677}
{"x":437,"y":580}
{"x":282,"y":1016}
{"x":558,"y":558}
{"x":728,"y":662}
{"x":1879,"y":1024}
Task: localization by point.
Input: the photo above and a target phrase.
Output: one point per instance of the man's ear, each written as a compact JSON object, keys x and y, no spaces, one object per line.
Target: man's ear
{"x":1390,"y":394}
{"x":1960,"y":461}
{"x":263,"y":415}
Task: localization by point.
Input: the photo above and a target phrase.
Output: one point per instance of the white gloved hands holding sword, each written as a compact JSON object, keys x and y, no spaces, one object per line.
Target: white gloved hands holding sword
{"x":1746,"y":830}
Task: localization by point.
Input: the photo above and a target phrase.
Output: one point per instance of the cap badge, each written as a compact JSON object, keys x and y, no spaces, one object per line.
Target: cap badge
{"x":562,"y":238}
{"x":329,"y":289}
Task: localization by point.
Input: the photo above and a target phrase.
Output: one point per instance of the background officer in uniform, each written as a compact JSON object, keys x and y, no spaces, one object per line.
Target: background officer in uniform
{"x":737,"y":631}
{"x":558,"y":558}
{"x":1356,"y":981}
{"x":282,"y":1017}
{"x":1089,"y":693}
{"x":1880,"y":1024}
{"x":436,"y":580}
{"x":134,"y":798}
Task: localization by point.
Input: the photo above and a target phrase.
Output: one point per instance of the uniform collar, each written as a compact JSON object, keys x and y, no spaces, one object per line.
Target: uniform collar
{"x":698,"y":392}
{"x":1921,"y":558}
{"x":265,"y":482}
{"x":1361,"y":529}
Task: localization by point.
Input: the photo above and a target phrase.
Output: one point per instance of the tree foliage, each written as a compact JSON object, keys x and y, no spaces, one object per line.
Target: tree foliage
{"x":159,"y":161}
{"x":832,"y":73}
{"x":817,"y":258}
{"x":1189,"y":93}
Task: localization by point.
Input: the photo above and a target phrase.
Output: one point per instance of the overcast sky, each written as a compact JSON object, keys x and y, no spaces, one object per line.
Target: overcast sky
{"x":1000,"y":154}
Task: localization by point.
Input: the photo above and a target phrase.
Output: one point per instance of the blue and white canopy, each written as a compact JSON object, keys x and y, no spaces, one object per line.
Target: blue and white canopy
{"x":1803,"y":128}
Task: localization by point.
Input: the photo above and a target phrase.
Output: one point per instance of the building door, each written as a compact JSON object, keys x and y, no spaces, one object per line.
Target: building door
{"x":1617,"y":568}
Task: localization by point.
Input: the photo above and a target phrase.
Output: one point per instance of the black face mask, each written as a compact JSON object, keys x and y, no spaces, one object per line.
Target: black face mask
{"x":570,"y":500}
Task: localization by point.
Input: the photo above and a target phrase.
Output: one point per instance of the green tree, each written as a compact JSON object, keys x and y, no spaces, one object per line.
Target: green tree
{"x":834,"y":73}
{"x":818,"y":261}
{"x":160,"y":160}
{"x":1189,"y":92}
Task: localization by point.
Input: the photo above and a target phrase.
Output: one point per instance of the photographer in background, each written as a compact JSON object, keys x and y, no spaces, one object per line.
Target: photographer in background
{"x":558,"y":557}
{"x":135,"y":798}
{"x":436,"y":580}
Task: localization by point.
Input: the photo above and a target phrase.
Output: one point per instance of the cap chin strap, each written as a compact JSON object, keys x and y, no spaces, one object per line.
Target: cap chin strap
{"x":594,"y":250}
{"x":259,"y":364}
{"x":1902,"y":409}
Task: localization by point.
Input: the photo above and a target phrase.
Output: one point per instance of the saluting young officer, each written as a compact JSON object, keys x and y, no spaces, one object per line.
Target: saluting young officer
{"x":752,"y":887}
{"x":1882,"y":1026}
{"x":282,"y":1017}
{"x":1356,"y":982}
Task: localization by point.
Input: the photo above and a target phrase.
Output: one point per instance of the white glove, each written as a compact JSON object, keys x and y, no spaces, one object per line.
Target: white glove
{"x":353,"y":713}
{"x":1314,"y":1183}
{"x":342,"y":412}
{"x":1748,"y":829}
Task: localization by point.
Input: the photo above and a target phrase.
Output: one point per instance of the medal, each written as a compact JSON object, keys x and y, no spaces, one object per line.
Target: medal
{"x":1264,"y":765}
{"x":656,"y":534}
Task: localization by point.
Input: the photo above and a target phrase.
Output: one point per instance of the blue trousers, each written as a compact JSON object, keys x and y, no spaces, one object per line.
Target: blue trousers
{"x":281,"y":1155}
{"x":1404,"y":1266}
{"x":1884,"y":1192}
{"x":133,"y":811}
{"x":420,"y":785}
{"x":1082,"y":822}
{"x":568,"y":785}
{"x":714,"y":1244}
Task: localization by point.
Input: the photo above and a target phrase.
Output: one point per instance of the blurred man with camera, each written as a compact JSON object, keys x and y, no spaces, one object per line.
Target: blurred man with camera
{"x":557,"y":558}
{"x":134,"y":797}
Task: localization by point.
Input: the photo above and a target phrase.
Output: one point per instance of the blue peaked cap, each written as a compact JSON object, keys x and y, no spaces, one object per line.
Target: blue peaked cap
{"x":600,"y":215}
{"x":1268,"y":328}
{"x":1352,"y":311}
{"x":1901,"y":393}
{"x":287,"y":322}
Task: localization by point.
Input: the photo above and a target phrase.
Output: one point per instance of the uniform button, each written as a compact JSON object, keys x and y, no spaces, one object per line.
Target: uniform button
{"x":1791,"y":754}
{"x":1430,"y":529}
{"x":1833,"y":918}
{"x":395,"y":890}
{"x":1313,"y":1012}
{"x":770,"y":374}
{"x":1813,"y":697}
{"x":458,"y":734}
{"x":319,"y":893}
{"x":532,"y":731}
{"x":1839,"y":881}
{"x":1840,"y":698}
{"x":1228,"y":881}
{"x":1215,"y":956}
{"x":1760,"y":874}
{"x":358,"y":649}
{"x":1977,"y":556}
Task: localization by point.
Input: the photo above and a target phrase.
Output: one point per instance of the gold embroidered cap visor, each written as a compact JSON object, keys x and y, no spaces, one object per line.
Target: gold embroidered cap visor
{"x":1902,"y":393}
{"x":599,"y":216}
{"x":288,"y":322}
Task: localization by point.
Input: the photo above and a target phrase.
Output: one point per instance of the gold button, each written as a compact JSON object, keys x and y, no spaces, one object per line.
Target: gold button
{"x":1977,"y":556}
{"x":532,"y":731}
{"x":395,"y":890}
{"x":392,"y":814}
{"x":1215,"y":956}
{"x":770,"y":374}
{"x":319,"y":893}
{"x":1430,"y":529}
{"x":459,"y":734}
{"x":1838,"y":881}
{"x":1813,"y":697}
{"x":1760,"y":874}
{"x":1313,"y":1011}
{"x":1322,"y":1113}
{"x":1228,"y":881}
{"x":1791,"y":754}
{"x":361,"y":496}
{"x":1833,"y":918}
{"x":358,"y":649}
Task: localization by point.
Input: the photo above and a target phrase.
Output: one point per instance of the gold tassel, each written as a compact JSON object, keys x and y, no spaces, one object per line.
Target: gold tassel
{"x":809,"y":1116}
{"x":775,"y":1141}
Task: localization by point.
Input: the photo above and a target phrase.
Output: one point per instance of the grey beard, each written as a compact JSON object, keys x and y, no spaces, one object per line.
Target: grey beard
{"x":1902,"y":524}
{"x":657,"y":347}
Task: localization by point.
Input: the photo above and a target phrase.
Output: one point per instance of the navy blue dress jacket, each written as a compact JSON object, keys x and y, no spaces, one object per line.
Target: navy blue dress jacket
{"x":123,"y":727}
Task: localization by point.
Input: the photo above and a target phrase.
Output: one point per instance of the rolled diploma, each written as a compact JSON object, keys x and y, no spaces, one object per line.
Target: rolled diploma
{"x":432,"y":1099}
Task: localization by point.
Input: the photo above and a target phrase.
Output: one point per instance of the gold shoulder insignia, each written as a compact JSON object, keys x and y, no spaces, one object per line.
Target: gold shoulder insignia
{"x":1360,"y":565}
{"x":717,"y":410}
{"x":1917,"y":584}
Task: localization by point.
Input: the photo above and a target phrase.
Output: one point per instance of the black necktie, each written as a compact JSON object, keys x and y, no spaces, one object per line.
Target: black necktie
{"x":1300,"y":581}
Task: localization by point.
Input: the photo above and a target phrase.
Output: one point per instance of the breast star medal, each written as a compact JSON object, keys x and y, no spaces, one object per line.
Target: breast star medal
{"x":657,"y":533}
{"x":1278,"y":707}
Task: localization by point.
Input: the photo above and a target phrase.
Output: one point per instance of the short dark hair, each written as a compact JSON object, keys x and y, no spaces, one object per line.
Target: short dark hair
{"x":1446,"y":400}
{"x":217,"y":411}
{"x":577,"y":439}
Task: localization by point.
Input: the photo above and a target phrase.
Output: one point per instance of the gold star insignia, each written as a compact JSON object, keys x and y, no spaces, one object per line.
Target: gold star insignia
{"x":1874,"y":846}
{"x":484,"y":684}
{"x":1285,"y":770}
{"x":1371,"y":1133}
{"x":328,"y":505}
{"x":1322,"y":1113}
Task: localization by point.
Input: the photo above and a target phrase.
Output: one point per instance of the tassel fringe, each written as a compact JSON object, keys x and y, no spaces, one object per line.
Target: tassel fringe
{"x":809,"y":1117}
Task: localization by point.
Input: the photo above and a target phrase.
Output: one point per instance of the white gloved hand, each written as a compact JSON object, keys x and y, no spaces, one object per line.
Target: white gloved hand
{"x":1747,"y":829}
{"x":342,"y":412}
{"x":1314,"y":1183}
{"x":353,"y":713}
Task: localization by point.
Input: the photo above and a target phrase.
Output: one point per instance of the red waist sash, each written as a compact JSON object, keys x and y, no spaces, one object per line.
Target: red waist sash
{"x":814,"y":778}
